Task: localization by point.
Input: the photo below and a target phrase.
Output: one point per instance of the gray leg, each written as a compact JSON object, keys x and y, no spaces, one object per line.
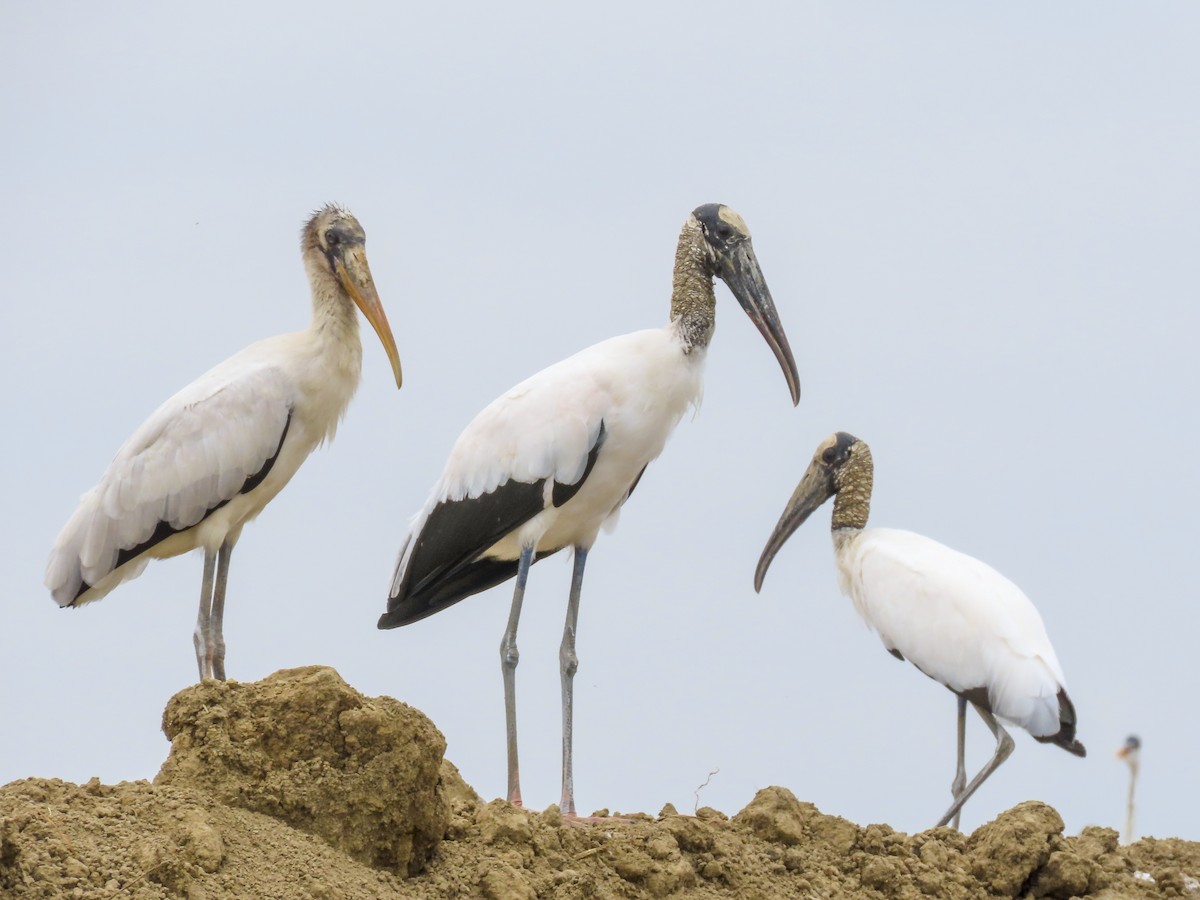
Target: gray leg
{"x":509,"y":657}
{"x":568,"y":664}
{"x":1004,"y":748}
{"x":1133,"y":773}
{"x":200,"y":635}
{"x":960,"y":775}
{"x":217,"y":624}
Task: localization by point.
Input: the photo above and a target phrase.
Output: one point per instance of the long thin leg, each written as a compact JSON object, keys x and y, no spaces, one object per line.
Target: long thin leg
{"x":1133,"y":773}
{"x":200,"y":635}
{"x":1004,"y":748}
{"x":960,"y":775}
{"x":217,"y":623}
{"x":568,"y":664}
{"x":509,"y":657}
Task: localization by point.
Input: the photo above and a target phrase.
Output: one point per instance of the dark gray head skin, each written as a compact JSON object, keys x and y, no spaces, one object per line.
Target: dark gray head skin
{"x":721,"y":226}
{"x":729,"y":255}
{"x":335,"y":238}
{"x":841,"y":466}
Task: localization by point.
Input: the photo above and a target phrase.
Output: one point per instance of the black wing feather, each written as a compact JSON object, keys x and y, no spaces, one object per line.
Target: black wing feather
{"x":446,"y":565}
{"x":473,"y":578}
{"x":1065,"y":737}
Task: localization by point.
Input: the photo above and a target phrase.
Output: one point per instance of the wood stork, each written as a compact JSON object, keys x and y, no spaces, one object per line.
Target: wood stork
{"x":953,"y":617}
{"x":549,"y":463}
{"x":209,"y":459}
{"x":1131,"y":752}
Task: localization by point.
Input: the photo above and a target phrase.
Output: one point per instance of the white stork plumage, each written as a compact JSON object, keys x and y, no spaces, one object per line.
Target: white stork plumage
{"x":955,"y":618}
{"x":1131,"y":753}
{"x":549,"y":463}
{"x":208,"y":460}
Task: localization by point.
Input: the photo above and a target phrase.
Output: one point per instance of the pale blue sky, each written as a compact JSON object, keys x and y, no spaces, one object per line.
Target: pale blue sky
{"x":978,"y":221}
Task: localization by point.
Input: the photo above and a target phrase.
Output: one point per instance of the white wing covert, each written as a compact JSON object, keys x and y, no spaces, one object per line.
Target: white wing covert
{"x":195,"y":453}
{"x":541,"y":429}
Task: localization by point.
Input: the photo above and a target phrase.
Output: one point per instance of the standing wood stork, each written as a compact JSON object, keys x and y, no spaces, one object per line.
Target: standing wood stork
{"x":208,"y":460}
{"x":953,"y":617}
{"x":1131,"y":752}
{"x":549,"y":463}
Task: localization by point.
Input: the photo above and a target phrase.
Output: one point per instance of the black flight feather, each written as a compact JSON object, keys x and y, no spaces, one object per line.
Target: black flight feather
{"x":446,"y":564}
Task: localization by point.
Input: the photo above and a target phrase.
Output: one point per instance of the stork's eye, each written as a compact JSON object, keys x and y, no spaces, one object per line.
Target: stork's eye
{"x":332,"y":238}
{"x":829,"y":455}
{"x":724,"y":232}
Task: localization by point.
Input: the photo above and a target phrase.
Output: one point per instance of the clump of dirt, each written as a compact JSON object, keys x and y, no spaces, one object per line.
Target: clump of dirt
{"x":141,"y":841}
{"x":299,"y":787}
{"x":306,"y":748}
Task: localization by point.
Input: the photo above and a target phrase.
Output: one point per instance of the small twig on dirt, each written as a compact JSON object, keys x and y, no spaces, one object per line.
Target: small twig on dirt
{"x":123,"y":888}
{"x":586,"y":853}
{"x":696,"y":793}
{"x":45,"y":814}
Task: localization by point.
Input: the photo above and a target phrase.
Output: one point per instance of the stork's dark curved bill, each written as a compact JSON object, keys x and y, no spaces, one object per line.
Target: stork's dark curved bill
{"x":816,"y":486}
{"x":743,"y":275}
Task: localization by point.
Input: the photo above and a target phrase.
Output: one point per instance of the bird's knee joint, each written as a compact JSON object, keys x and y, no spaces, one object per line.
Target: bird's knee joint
{"x":1004,"y":751}
{"x":568,"y":662}
{"x":509,"y":654}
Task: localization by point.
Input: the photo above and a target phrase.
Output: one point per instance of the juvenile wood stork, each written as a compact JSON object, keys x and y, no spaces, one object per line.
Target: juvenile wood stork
{"x":208,"y":460}
{"x":549,"y":463}
{"x":953,"y":617}
{"x":1130,"y":752}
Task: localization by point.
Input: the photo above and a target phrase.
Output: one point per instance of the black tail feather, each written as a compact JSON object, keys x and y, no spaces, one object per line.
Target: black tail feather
{"x":469,"y":579}
{"x":1065,"y":737}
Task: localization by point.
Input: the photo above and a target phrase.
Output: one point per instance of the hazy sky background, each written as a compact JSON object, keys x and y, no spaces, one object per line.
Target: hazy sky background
{"x":979,"y":223}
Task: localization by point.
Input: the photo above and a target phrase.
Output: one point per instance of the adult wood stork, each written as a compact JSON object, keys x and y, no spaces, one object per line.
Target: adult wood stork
{"x":953,"y":617}
{"x":209,"y":459}
{"x":549,"y":463}
{"x":1131,"y":752}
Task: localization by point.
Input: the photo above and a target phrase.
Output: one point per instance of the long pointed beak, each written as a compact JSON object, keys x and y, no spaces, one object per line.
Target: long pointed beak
{"x":814,"y":489}
{"x":1129,"y":754}
{"x":355,"y":276}
{"x":744,"y":277}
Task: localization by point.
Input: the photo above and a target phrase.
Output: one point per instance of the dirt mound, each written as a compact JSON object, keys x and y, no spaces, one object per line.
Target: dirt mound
{"x":299,"y":787}
{"x":305,"y":748}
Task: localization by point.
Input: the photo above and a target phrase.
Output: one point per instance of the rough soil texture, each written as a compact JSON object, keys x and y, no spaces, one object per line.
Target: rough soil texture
{"x":303,"y":747}
{"x":299,"y":787}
